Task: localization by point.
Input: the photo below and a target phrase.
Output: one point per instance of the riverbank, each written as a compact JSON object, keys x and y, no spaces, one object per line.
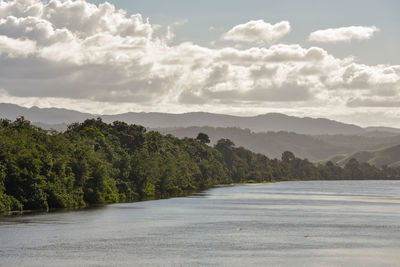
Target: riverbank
{"x":14,"y":213}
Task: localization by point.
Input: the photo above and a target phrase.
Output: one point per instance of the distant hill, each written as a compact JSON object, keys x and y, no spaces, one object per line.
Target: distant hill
{"x":383,"y":129}
{"x":365,"y":142}
{"x":43,"y":115}
{"x":273,"y":144}
{"x":261,"y":123}
{"x":57,"y":127}
{"x":389,"y":156}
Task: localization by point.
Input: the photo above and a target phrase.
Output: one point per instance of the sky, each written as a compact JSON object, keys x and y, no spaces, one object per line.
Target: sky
{"x":332,"y":59}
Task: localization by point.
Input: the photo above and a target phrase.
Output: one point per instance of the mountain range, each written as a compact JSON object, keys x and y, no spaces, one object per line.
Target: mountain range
{"x":260,"y":123}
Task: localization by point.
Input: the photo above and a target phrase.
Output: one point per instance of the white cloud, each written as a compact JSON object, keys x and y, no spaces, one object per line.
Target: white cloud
{"x":343,"y":34}
{"x":15,"y":48}
{"x":258,"y":31}
{"x":78,"y":55}
{"x":170,"y":35}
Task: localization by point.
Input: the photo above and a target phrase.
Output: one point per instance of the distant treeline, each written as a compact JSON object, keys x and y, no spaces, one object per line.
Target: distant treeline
{"x":97,"y":163}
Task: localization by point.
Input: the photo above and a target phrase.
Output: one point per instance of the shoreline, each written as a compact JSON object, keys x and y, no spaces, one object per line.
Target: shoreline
{"x":27,"y":212}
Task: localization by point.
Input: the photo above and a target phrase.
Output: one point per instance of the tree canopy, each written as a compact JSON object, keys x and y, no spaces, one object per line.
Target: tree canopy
{"x":202,"y":137}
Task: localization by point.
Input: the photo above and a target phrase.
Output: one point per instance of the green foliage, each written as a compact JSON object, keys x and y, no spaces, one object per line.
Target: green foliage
{"x":202,"y":137}
{"x":96,"y":163}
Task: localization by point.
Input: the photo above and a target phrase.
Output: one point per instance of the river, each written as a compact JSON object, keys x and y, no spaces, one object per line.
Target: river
{"x":315,"y":223}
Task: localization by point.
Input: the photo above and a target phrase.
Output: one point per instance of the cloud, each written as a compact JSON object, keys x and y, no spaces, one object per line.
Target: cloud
{"x":14,"y":48}
{"x":96,"y":58}
{"x":368,"y":102}
{"x":344,"y":34}
{"x":285,"y":92}
{"x":170,"y":35}
{"x":257,"y":31}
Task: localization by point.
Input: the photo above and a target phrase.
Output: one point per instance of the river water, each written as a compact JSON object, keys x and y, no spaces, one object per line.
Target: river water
{"x":317,"y":223}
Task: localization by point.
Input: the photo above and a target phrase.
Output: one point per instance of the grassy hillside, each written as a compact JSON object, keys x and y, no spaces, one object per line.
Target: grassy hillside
{"x":389,"y":156}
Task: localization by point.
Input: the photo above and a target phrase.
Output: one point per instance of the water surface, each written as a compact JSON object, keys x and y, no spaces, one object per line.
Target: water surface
{"x":318,"y":223}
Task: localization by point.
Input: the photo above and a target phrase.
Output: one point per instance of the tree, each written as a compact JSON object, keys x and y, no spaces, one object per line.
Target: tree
{"x":225,"y":144}
{"x":288,"y":157}
{"x":352,"y":170}
{"x":202,"y":137}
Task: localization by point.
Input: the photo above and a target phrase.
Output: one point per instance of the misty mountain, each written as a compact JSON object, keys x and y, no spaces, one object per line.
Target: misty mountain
{"x":61,"y":127}
{"x":273,"y":144}
{"x":260,"y":123}
{"x":43,"y":115}
{"x":364,"y":142}
{"x":381,"y":131}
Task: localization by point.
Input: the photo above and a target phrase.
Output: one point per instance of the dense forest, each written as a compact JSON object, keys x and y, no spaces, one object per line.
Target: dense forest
{"x":96,"y":163}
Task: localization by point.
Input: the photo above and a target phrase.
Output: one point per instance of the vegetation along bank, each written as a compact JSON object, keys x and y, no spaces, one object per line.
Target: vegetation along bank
{"x":96,"y":163}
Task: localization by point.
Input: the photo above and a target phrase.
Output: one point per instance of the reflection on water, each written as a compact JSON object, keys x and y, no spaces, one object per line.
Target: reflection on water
{"x":340,"y":223}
